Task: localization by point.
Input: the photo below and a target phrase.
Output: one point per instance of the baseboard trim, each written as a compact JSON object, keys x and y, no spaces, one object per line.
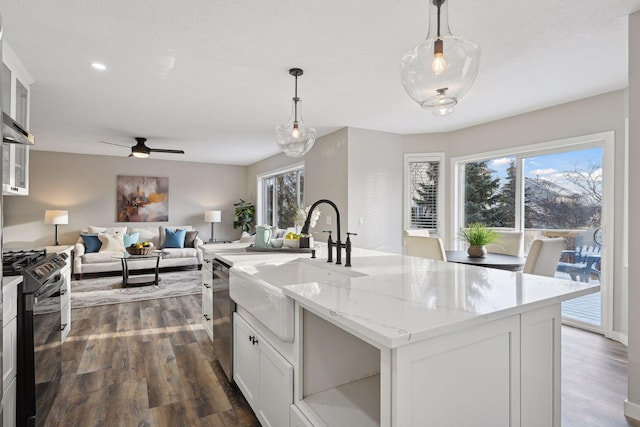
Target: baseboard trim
{"x":632,"y":410}
{"x":620,"y":337}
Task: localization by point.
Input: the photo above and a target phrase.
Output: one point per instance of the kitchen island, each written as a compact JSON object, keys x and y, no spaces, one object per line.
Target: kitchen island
{"x":404,"y":341}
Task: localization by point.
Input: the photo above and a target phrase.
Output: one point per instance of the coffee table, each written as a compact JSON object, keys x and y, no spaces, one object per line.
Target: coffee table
{"x":142,"y":279}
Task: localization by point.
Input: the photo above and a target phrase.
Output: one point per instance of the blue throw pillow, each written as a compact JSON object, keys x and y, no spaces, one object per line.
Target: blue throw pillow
{"x":91,"y":243}
{"x":174,"y":239}
{"x":129,"y":239}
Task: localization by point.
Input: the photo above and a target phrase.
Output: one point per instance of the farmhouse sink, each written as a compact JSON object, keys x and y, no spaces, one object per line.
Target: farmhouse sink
{"x":258,"y":289}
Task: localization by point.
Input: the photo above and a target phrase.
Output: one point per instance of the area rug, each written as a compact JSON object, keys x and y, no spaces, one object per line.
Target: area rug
{"x":108,"y":290}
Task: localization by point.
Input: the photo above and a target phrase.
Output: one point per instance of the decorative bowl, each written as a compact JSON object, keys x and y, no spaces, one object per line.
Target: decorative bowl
{"x":140,"y":251}
{"x":292,"y":243}
{"x":277,"y":243}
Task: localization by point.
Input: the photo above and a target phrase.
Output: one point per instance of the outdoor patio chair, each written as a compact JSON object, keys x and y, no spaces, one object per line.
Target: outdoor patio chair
{"x":586,"y":261}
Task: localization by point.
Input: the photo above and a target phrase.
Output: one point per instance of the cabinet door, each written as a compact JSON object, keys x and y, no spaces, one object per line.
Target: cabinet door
{"x":9,"y":406}
{"x":246,"y":360}
{"x":276,"y":387}
{"x":15,"y":169}
{"x":9,"y":353}
{"x":207,"y":311}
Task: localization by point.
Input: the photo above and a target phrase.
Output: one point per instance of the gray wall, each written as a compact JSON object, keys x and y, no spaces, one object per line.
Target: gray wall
{"x":85,"y":185}
{"x":325,"y":178}
{"x":634,"y":208}
{"x":376,"y":171}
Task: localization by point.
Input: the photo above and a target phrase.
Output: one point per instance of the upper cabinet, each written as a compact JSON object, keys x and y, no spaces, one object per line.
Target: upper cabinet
{"x":16,"y":83}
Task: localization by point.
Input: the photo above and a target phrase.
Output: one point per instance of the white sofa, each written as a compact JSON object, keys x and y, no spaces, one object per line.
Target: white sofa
{"x":100,"y":262}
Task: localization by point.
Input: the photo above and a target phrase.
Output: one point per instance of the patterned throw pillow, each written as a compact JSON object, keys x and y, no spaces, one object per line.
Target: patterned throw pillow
{"x":111,"y":242}
{"x":190,"y":238}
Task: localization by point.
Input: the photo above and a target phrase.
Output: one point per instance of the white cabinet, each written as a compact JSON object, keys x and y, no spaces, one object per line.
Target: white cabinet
{"x":15,"y":169}
{"x":262,"y":374}
{"x":207,"y":296}
{"x":9,"y":350}
{"x":16,"y":83}
{"x":504,"y":372}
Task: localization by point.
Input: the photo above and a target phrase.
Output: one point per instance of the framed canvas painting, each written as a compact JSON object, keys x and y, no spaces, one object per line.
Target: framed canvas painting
{"x":142,"y":199}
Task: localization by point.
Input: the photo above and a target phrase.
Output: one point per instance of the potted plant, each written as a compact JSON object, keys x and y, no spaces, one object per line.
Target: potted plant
{"x":245,"y":215}
{"x":478,"y":235}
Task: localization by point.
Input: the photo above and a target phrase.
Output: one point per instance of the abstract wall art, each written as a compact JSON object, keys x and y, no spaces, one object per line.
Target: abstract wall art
{"x":142,"y":199}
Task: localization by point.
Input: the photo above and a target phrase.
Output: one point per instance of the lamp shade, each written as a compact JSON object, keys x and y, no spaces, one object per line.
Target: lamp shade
{"x":212,"y":216}
{"x":56,"y":217}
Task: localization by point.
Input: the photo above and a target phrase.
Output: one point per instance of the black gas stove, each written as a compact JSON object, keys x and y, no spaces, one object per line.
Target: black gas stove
{"x":14,"y":262}
{"x":39,"y":332}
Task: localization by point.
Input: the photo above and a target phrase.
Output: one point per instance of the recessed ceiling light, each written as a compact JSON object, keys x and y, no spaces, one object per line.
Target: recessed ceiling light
{"x":98,"y":66}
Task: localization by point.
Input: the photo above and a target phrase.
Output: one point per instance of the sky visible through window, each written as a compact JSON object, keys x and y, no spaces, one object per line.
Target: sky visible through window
{"x":552,"y":167}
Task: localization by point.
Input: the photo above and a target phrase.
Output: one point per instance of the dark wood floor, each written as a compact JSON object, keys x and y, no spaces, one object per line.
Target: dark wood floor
{"x":150,"y":363}
{"x":594,"y":380}
{"x":145,"y":363}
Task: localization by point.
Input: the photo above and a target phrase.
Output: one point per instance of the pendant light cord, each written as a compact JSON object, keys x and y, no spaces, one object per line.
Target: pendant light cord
{"x":438,"y":4}
{"x":295,"y":102}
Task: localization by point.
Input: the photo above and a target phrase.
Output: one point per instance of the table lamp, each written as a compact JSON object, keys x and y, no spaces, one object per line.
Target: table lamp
{"x":212,"y":217}
{"x":56,"y":217}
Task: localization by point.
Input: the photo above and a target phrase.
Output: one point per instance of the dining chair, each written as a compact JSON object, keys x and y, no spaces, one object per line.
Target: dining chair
{"x":425,"y":247}
{"x":543,"y":257}
{"x":417,"y":232}
{"x":509,"y":243}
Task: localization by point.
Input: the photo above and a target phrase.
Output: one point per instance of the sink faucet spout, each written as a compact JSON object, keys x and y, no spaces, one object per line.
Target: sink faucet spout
{"x":307,"y":223}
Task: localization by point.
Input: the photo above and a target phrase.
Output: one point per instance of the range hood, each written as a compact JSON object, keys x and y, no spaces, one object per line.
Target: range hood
{"x":13,"y":133}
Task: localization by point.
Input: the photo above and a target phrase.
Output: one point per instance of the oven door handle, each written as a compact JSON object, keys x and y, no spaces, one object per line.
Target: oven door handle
{"x":50,"y":288}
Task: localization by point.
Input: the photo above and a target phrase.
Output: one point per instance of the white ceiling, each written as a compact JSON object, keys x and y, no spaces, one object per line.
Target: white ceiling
{"x":210,"y":76}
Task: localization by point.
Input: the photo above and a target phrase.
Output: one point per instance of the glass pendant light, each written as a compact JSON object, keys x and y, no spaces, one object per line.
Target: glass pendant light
{"x":295,"y":138}
{"x":439,"y":70}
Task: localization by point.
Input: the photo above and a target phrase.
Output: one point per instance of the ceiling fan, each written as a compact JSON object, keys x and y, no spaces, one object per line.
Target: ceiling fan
{"x":140,"y":150}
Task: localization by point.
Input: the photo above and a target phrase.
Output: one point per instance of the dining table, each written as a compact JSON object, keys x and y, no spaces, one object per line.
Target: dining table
{"x":491,"y":260}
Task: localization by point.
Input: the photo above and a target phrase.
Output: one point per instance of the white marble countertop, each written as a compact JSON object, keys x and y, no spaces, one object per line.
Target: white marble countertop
{"x":405,"y":299}
{"x":11,"y":280}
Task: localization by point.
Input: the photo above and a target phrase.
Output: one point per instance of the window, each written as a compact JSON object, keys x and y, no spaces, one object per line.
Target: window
{"x":490,"y":192}
{"x":280,"y":193}
{"x":553,"y":189}
{"x":423,"y":192}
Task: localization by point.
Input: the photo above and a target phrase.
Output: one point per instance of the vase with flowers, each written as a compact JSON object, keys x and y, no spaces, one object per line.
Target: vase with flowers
{"x":478,"y":235}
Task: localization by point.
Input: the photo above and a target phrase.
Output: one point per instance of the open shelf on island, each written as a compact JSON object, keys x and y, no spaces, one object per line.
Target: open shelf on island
{"x":340,"y":375}
{"x":353,"y":404}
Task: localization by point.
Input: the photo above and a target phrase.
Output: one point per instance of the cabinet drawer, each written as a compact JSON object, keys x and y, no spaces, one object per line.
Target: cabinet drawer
{"x":9,"y":303}
{"x":9,"y":353}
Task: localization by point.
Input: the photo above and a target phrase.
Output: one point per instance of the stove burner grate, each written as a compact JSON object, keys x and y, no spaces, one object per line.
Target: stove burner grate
{"x":13,"y":262}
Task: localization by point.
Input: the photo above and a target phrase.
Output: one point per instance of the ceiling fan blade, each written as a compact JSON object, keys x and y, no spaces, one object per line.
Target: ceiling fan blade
{"x":161,"y":150}
{"x":113,"y":143}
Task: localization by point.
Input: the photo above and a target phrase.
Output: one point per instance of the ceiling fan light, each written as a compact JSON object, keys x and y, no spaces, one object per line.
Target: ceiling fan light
{"x":140,"y":151}
{"x":295,"y":138}
{"x":441,"y":61}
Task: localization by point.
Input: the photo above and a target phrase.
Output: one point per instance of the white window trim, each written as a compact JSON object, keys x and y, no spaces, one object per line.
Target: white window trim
{"x":604,"y":140}
{"x":425,"y":157}
{"x":260,"y":177}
